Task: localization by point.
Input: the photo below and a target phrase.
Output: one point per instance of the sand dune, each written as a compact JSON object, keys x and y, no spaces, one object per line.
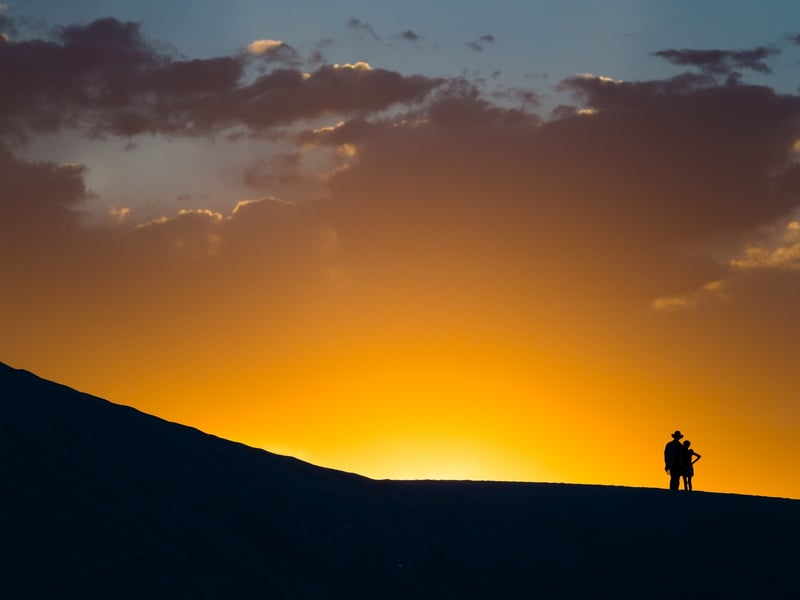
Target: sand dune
{"x":103,"y":501}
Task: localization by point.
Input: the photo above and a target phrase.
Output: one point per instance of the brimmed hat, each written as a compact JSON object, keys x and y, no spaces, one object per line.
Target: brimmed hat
{"x":677,"y":435}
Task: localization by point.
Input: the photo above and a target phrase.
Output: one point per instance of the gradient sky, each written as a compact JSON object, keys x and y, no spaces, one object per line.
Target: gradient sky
{"x":507,"y":240}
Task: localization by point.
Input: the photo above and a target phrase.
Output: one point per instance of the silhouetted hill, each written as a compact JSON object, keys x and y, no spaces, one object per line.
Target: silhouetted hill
{"x":103,"y":501}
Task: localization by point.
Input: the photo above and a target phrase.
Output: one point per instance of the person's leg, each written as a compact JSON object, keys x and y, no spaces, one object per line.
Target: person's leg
{"x":674,"y":480}
{"x":689,"y":483}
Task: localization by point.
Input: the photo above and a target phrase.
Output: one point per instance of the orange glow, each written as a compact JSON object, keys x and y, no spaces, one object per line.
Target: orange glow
{"x":493,"y":406}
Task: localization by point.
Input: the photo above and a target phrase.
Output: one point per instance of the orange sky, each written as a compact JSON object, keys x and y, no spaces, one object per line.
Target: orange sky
{"x":447,"y":287}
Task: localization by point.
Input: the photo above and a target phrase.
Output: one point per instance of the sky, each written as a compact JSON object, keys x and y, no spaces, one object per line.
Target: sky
{"x":507,"y":241}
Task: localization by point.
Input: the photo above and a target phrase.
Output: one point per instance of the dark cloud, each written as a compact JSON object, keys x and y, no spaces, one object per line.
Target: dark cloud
{"x":103,"y":75}
{"x":39,"y":198}
{"x":712,"y":151}
{"x":285,"y":96}
{"x":107,"y":78}
{"x":620,"y":197}
{"x":317,"y":55}
{"x":524,"y":97}
{"x":722,"y":62}
{"x":481,"y":43}
{"x":409,"y":35}
{"x":116,"y":37}
{"x":363,"y":29}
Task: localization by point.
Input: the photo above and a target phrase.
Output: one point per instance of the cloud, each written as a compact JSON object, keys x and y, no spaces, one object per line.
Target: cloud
{"x":357,"y":66}
{"x":274,"y":51}
{"x":317,"y":55}
{"x":409,"y":35}
{"x":104,"y":77}
{"x":722,"y":62}
{"x":96,"y":76}
{"x":119,"y":214}
{"x":259,"y":47}
{"x":780,"y":252}
{"x":39,"y":198}
{"x":480,"y":44}
{"x":363,"y":29}
{"x":673,"y":303}
{"x":713,"y":290}
{"x":7,"y":25}
{"x":683,"y":122}
{"x":344,"y":132}
{"x":286,"y":96}
{"x":599,"y":78}
{"x":628,"y":200}
{"x":523,"y":97}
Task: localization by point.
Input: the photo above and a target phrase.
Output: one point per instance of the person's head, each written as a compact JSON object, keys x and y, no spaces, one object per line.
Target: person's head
{"x":686,"y":443}
{"x":677,"y":435}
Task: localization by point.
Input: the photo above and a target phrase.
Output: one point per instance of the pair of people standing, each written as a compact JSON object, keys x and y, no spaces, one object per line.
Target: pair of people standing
{"x":679,"y":459}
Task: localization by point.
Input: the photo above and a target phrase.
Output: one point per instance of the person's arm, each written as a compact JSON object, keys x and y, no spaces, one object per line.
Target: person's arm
{"x":668,"y":457}
{"x":696,"y":457}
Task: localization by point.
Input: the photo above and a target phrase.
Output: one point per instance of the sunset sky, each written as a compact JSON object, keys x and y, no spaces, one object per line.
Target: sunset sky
{"x":510,"y":240}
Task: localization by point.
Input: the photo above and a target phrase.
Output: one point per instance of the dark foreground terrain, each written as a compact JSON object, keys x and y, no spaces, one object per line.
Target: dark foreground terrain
{"x":102,"y":501}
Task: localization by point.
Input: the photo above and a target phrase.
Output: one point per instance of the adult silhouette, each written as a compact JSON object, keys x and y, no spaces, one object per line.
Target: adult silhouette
{"x":689,"y":457}
{"x":672,"y":460}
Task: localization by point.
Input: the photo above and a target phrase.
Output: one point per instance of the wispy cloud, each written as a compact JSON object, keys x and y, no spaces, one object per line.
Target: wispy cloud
{"x":480,"y":44}
{"x":409,"y":35}
{"x":781,"y":252}
{"x":363,"y":29}
{"x":721,"y":62}
{"x":713,"y":290}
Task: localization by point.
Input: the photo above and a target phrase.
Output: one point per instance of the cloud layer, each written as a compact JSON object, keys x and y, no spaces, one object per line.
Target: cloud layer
{"x":624,"y":181}
{"x":640,"y":169}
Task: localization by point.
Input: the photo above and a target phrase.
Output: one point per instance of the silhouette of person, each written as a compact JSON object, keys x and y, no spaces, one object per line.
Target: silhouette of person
{"x":689,"y":458}
{"x":672,"y":460}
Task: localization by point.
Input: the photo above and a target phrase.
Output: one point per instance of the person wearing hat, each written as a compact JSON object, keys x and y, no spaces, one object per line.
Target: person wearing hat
{"x":672,"y":460}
